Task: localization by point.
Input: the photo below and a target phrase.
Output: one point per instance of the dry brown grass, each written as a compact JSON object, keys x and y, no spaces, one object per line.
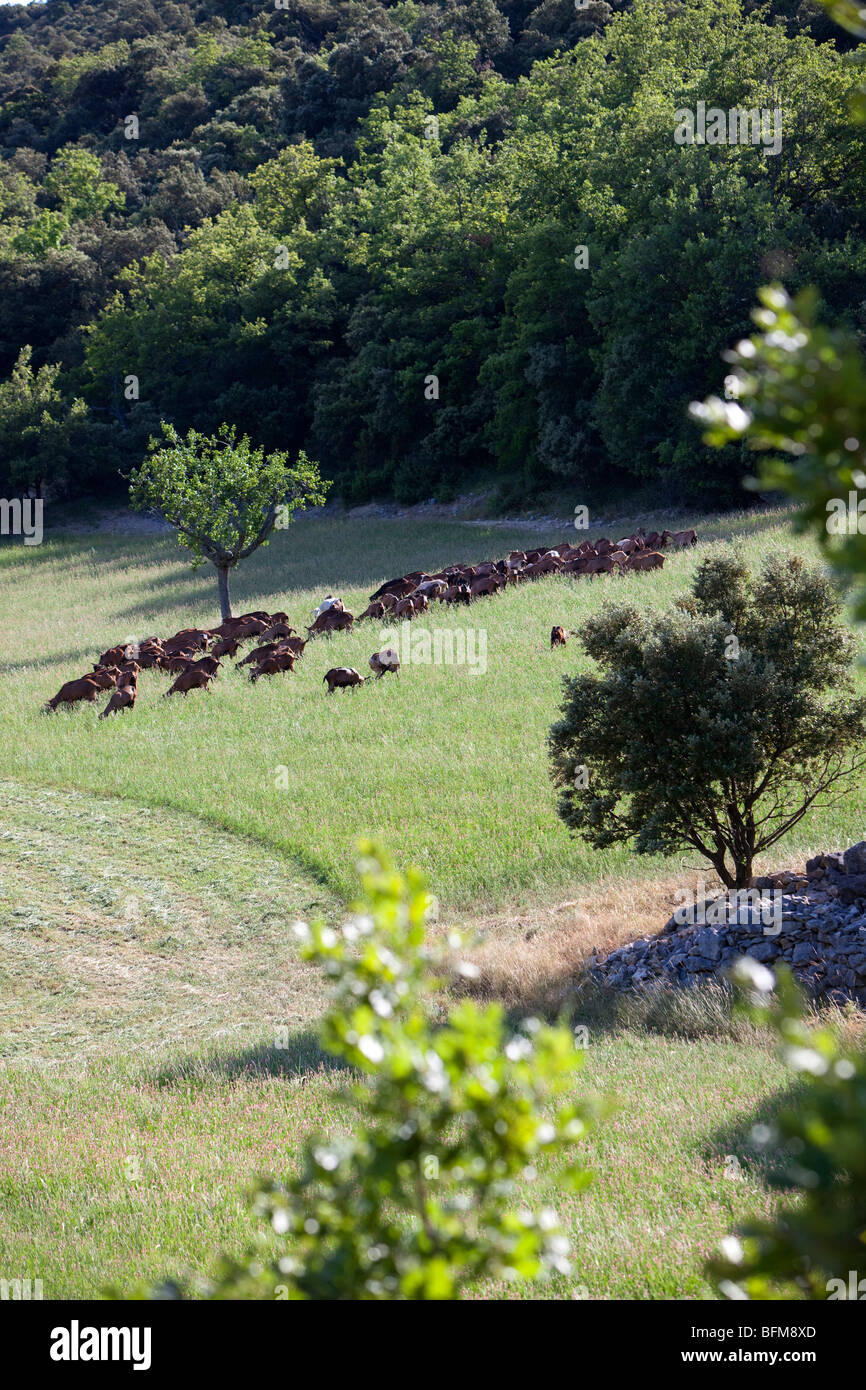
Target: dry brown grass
{"x":536,"y":959}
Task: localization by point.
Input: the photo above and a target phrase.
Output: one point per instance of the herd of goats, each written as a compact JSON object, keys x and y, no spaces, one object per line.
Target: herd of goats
{"x":194,"y":656}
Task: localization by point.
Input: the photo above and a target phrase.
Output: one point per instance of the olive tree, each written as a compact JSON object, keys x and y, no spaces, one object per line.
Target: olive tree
{"x":715,"y":726}
{"x":222,"y":496}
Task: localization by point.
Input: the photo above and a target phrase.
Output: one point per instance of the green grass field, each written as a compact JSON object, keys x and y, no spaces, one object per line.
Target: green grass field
{"x":447,"y":766}
{"x":150,"y":867}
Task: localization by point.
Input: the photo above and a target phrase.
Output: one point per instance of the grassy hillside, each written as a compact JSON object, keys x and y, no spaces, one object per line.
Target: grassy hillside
{"x":146,"y":967}
{"x":147,"y":974}
{"x":449,"y":767}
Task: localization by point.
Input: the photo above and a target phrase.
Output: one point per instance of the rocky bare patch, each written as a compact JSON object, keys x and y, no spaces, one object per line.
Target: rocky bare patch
{"x":815,"y":922}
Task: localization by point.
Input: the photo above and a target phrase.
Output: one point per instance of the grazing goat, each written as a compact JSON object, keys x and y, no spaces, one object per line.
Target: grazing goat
{"x":190,"y":679}
{"x":226,"y":646}
{"x":431,"y":588}
{"x":384,"y":661}
{"x":86,"y":688}
{"x":194,"y":639}
{"x":240,"y":629}
{"x":335,"y":621}
{"x":328,"y":605}
{"x":399,"y":587}
{"x":207,"y":663}
{"x":278,"y":630}
{"x":259,"y":654}
{"x":113,"y":657}
{"x":295,"y":645}
{"x":489,"y":584}
{"x":271,"y":665}
{"x":175,"y":664}
{"x":681,"y":539}
{"x":122,"y":699}
{"x":373,"y":610}
{"x":341,"y":677}
{"x":645,"y":560}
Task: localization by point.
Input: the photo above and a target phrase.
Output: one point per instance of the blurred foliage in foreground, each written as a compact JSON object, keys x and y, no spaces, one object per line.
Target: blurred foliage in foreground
{"x":801,"y":388}
{"x":421,"y":1197}
{"x":816,"y":1248}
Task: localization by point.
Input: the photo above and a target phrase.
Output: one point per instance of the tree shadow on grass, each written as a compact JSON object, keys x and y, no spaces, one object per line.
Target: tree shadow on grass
{"x":301,"y":1056}
{"x":79,"y":656}
{"x":738,"y":1140}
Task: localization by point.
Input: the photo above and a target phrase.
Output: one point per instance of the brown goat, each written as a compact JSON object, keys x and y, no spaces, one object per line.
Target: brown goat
{"x":645,"y":560}
{"x":681,"y":539}
{"x":373,"y":610}
{"x":271,"y":665}
{"x":85,"y":688}
{"x":113,"y":657}
{"x":276,"y":631}
{"x":399,"y":587}
{"x":181,"y":662}
{"x":226,"y":646}
{"x":122,"y":699}
{"x":489,"y":584}
{"x":342,"y":677}
{"x":598,"y":564}
{"x":207,"y":663}
{"x":384,"y":661}
{"x":258,"y":654}
{"x":241,"y":629}
{"x":331,"y":622}
{"x":128,"y":674}
{"x":194,"y":639}
{"x":149,"y":657}
{"x":191,"y":679}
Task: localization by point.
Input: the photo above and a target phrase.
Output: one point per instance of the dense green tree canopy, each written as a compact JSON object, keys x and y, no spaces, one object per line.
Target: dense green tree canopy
{"x":437,"y":243}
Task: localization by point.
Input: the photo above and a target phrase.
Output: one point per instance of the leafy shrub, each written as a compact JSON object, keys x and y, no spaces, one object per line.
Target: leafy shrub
{"x":818,"y":1146}
{"x":421,"y":1198}
{"x":716,"y":726}
{"x":800,"y":388}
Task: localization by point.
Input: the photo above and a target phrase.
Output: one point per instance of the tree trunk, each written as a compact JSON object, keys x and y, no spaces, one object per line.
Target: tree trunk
{"x":744,"y":872}
{"x":223,"y":581}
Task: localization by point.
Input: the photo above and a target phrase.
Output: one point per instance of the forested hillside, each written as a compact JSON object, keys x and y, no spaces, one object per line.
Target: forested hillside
{"x":357,"y":227}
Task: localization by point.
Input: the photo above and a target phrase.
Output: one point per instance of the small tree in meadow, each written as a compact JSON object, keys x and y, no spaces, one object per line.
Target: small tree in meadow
{"x":222,"y":496}
{"x":714,"y":727}
{"x":447,"y":1112}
